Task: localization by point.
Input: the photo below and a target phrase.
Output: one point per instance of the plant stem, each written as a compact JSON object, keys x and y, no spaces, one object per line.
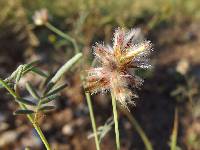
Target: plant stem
{"x":114,"y":105}
{"x":88,"y":98}
{"x":37,"y":128}
{"x":64,"y":35}
{"x":137,"y":127}
{"x":30,"y":117}
{"x":173,"y":144}
{"x":39,"y":131}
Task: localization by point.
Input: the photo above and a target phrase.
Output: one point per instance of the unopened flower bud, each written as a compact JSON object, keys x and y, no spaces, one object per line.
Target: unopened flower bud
{"x":40,"y":17}
{"x":182,"y":66}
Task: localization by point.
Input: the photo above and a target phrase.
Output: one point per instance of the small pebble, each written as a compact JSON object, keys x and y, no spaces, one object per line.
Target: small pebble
{"x":68,"y":129}
{"x":8,"y":137}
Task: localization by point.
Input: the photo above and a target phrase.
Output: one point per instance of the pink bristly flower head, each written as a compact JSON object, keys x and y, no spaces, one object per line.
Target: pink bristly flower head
{"x":114,"y":75}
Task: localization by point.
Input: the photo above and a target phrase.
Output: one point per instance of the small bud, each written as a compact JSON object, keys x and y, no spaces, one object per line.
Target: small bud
{"x":182,"y":66}
{"x":40,"y":17}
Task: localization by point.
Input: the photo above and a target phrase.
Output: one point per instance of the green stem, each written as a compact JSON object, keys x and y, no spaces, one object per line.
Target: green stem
{"x":114,"y":105}
{"x":173,"y":144}
{"x":64,"y":35}
{"x":88,"y":98}
{"x":140,"y":131}
{"x":39,"y":131}
{"x":30,"y":117}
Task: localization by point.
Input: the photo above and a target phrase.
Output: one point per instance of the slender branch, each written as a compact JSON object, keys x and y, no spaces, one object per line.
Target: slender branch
{"x":30,"y":117}
{"x":137,"y":127}
{"x":64,"y":35}
{"x":88,"y":98}
{"x":39,"y":131}
{"x":173,"y":143}
{"x":114,"y":105}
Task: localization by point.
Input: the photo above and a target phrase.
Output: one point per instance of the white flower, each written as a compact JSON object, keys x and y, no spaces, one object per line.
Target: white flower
{"x":40,"y":17}
{"x":182,"y":66}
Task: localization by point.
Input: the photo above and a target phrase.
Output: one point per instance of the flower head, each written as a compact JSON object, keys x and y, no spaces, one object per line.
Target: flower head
{"x":40,"y":17}
{"x":128,"y":51}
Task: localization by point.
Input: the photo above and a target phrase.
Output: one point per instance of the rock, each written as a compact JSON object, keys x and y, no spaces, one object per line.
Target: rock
{"x":60,"y":146}
{"x":8,"y":137}
{"x":2,"y":117}
{"x":31,"y":140}
{"x":127,"y":125}
{"x":3,"y":126}
{"x":63,"y":117}
{"x":68,"y":129}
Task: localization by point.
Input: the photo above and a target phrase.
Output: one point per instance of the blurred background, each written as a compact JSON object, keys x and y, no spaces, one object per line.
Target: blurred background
{"x":173,"y":26}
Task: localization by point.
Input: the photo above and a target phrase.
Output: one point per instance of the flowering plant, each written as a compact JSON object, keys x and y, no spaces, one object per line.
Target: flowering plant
{"x":114,"y":74}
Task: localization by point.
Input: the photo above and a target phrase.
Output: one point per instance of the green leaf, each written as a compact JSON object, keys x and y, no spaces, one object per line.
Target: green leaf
{"x":25,"y":101}
{"x":32,"y":91}
{"x":49,"y":99}
{"x":5,"y":85}
{"x":57,"y":89}
{"x":48,"y":79}
{"x":19,"y":73}
{"x":23,"y":112}
{"x":35,"y":70}
{"x":47,"y":108}
{"x":39,"y":72}
{"x":49,"y":87}
{"x":30,"y":65}
{"x":15,"y":73}
{"x":70,"y":63}
{"x":27,"y":70}
{"x":103,"y":130}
